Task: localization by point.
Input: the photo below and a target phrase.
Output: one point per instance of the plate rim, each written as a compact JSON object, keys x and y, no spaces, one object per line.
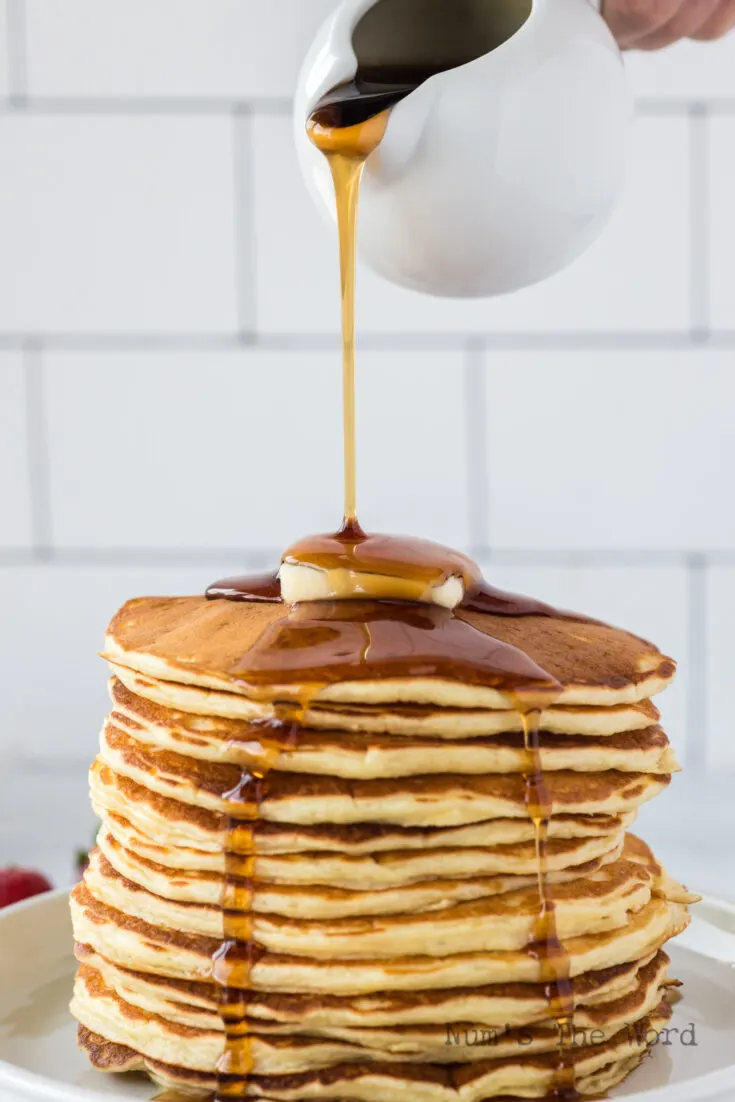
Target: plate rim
{"x":33,"y":1084}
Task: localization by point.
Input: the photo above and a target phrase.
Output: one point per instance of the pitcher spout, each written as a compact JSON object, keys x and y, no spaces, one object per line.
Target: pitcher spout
{"x":504,"y":152}
{"x":390,"y":52}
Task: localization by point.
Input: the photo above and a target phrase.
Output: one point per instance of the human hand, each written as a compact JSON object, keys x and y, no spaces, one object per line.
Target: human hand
{"x":653,"y":24}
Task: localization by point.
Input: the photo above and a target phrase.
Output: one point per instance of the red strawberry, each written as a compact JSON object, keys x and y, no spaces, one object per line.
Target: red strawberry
{"x":18,"y":884}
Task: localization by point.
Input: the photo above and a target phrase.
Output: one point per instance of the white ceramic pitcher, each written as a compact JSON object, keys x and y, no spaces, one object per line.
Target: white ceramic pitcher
{"x":494,"y":174}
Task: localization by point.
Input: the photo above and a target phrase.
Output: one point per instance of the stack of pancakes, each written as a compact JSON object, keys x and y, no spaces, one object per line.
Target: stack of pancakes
{"x":382,"y":877}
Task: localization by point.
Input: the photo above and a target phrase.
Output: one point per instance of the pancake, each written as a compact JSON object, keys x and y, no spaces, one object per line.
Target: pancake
{"x":368,"y":840}
{"x":504,"y":1005}
{"x":131,"y":942}
{"x":601,"y":901}
{"x":598,"y":1067}
{"x":353,"y":756}
{"x":204,"y":714}
{"x":338,"y":899}
{"x":434,"y":800}
{"x":99,"y":1007}
{"x":185,"y":826}
{"x":193,"y":641}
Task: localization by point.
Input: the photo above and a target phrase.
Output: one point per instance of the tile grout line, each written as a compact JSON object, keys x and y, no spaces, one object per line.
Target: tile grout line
{"x":37,"y":451}
{"x":477,"y":450}
{"x":135,"y":557}
{"x":142,"y":105}
{"x":244,"y":273}
{"x":17,"y":55}
{"x":699,"y":224}
{"x":696,"y":614}
{"x":591,"y":558}
{"x":380,"y":342}
{"x":122,"y":342}
{"x":280,"y":106}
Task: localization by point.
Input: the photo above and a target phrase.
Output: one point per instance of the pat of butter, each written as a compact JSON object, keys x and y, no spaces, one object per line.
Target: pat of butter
{"x":302,"y":582}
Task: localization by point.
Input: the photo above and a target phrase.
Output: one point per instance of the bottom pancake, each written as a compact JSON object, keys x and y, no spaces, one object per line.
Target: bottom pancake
{"x":132,"y":943}
{"x":598,"y":1067}
{"x":279,"y":1050}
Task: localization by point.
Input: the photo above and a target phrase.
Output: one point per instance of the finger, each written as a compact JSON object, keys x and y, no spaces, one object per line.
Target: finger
{"x":718,"y":24}
{"x":691,"y":17}
{"x":630,"y":20}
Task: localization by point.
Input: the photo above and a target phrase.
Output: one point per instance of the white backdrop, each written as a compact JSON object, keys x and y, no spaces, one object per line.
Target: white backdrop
{"x":169,"y":402}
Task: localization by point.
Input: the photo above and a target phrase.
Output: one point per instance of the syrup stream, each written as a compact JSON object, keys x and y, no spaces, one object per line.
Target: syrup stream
{"x":331,"y":642}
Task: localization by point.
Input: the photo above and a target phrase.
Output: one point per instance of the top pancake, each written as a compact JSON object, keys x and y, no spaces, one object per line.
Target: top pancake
{"x":204,"y":643}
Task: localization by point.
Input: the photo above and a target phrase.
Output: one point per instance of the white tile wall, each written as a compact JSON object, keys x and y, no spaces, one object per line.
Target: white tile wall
{"x":31,"y":798}
{"x":15,"y":514}
{"x":717,"y":710}
{"x":193,"y":439}
{"x":689,"y":69}
{"x":722,"y":189}
{"x":227,"y":49}
{"x":3,"y":48}
{"x":159,"y":248}
{"x":690,"y":828}
{"x":636,"y":450}
{"x":116,"y":223}
{"x":636,"y":277}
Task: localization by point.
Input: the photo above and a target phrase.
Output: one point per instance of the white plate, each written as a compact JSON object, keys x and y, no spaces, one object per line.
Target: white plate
{"x":39,"y":1059}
